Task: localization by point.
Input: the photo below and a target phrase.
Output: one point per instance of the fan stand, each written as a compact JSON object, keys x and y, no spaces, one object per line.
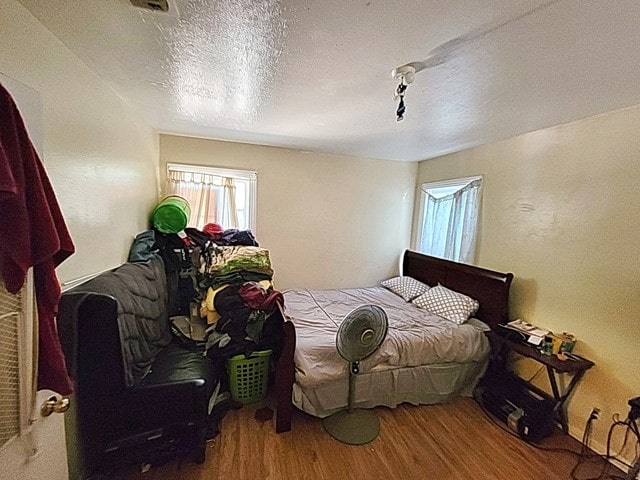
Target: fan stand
{"x":355,"y":426}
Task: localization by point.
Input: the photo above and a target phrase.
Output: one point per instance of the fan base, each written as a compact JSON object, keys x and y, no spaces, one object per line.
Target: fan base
{"x":355,"y":428}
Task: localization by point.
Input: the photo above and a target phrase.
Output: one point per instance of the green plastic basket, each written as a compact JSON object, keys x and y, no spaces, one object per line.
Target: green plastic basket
{"x":171,"y":215}
{"x":248,"y":376}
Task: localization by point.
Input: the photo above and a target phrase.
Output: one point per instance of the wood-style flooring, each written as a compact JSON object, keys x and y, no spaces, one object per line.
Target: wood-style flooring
{"x":452,"y":441}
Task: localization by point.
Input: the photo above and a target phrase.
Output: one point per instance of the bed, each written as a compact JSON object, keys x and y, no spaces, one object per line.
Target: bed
{"x":424,"y":360}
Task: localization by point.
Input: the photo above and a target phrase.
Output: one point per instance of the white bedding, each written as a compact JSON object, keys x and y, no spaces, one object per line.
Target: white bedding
{"x":415,"y":336}
{"x":423,"y":385}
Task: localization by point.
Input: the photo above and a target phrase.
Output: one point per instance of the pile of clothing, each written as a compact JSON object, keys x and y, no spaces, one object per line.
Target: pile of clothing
{"x":221,"y":297}
{"x":227,"y":277}
{"x":240,"y":301}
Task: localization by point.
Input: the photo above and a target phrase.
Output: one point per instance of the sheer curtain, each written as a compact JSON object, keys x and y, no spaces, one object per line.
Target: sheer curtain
{"x":212,"y":198}
{"x":229,"y":208}
{"x":450,"y":223}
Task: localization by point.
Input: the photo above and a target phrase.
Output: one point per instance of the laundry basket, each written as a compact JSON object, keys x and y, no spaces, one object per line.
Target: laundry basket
{"x":248,"y":376}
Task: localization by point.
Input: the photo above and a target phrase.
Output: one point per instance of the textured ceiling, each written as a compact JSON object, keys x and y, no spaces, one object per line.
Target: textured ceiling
{"x":316,"y":75}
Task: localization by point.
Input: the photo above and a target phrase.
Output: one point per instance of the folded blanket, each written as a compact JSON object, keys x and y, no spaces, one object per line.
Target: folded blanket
{"x":228,"y":260}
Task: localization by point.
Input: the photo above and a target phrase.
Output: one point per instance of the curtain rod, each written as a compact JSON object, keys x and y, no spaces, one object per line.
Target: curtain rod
{"x":219,"y":171}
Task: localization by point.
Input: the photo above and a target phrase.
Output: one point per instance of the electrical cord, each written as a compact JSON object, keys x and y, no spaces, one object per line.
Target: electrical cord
{"x":624,"y":443}
{"x":585,"y":454}
{"x":631,"y":426}
{"x":510,"y":432}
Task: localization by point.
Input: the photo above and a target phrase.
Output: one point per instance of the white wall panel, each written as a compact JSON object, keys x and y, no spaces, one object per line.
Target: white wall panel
{"x":560,"y":211}
{"x":100,"y":156}
{"x":329,"y":221}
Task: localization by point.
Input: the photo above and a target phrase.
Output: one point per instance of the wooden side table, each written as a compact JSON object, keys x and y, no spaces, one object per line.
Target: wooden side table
{"x":576,"y":367}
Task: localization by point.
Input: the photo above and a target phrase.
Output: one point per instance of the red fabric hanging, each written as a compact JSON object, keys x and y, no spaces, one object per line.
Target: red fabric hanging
{"x":32,"y":234}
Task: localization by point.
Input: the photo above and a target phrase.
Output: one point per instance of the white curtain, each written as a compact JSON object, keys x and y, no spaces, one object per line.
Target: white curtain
{"x":229,"y":209}
{"x":212,"y":198}
{"x":450,"y":223}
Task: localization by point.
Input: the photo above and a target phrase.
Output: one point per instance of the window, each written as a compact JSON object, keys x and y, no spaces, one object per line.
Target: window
{"x":448,"y":221}
{"x":215,"y":195}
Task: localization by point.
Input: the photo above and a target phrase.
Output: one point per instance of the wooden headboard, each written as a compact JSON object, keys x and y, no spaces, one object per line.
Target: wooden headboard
{"x":490,"y":288}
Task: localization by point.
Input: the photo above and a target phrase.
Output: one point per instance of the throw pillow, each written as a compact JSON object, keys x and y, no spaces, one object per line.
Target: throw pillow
{"x":449,"y":304}
{"x":407,"y":287}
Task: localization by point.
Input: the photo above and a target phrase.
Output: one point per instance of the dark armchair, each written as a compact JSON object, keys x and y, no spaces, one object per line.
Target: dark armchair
{"x":140,"y":395}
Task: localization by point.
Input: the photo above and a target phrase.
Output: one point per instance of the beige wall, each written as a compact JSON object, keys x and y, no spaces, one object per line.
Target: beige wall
{"x":560,"y":211}
{"x":103,"y":163}
{"x":329,"y":221}
{"x":102,"y":159}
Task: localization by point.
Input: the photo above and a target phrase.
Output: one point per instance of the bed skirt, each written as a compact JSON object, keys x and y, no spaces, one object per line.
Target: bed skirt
{"x":423,"y":385}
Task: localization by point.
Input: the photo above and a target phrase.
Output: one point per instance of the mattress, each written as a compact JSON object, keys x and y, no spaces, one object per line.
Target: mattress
{"x":415,"y":337}
{"x":423,"y":385}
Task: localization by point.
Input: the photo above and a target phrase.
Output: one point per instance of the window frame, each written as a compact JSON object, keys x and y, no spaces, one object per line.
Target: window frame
{"x":460,"y":182}
{"x":251,"y":176}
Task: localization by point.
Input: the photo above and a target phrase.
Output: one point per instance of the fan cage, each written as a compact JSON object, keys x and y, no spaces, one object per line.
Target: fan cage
{"x":350,"y":338}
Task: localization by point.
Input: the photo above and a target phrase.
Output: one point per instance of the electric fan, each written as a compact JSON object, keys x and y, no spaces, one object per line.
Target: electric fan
{"x":359,"y":336}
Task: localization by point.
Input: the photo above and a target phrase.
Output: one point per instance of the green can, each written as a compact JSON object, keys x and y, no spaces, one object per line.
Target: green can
{"x":568,"y":342}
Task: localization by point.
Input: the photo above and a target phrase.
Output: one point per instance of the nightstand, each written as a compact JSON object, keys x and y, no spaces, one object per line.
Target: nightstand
{"x":575,"y":367}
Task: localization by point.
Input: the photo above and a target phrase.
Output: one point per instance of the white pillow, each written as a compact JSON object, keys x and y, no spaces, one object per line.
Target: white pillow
{"x":448,"y":304}
{"x":407,"y":287}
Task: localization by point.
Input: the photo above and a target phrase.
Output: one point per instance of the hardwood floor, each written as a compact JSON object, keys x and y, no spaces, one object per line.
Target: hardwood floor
{"x":452,"y":441}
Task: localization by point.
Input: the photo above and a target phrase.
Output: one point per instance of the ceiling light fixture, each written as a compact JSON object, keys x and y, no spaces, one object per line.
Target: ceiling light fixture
{"x":405,"y":74}
{"x":442,"y":53}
